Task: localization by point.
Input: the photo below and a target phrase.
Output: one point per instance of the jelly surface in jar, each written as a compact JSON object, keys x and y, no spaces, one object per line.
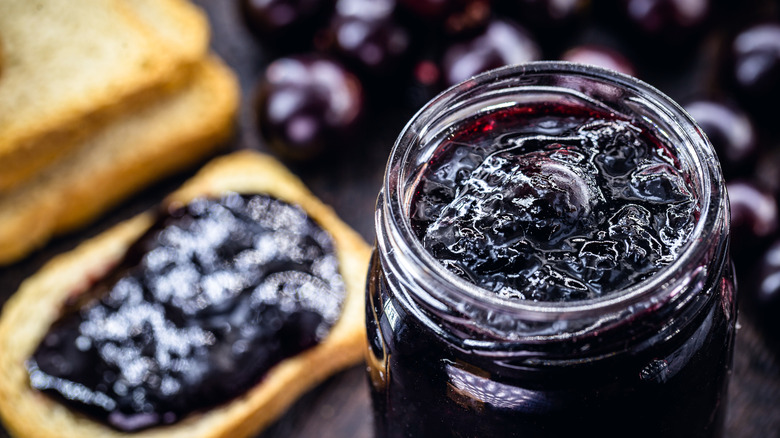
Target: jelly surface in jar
{"x":553,"y":202}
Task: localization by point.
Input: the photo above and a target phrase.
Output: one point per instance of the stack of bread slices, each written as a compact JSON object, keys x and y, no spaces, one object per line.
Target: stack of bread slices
{"x":99,"y":98}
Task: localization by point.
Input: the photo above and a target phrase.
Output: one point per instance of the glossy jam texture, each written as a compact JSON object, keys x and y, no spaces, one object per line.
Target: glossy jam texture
{"x":202,"y":307}
{"x":553,"y":202}
{"x":669,"y":385}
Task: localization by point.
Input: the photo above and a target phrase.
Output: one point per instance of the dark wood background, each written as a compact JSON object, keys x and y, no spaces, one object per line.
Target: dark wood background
{"x":349,"y":180}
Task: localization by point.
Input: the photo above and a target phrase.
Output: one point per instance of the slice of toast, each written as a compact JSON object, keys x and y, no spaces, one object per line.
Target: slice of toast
{"x":71,"y":66}
{"x":178,"y":24}
{"x":175,"y":132}
{"x":29,"y":413}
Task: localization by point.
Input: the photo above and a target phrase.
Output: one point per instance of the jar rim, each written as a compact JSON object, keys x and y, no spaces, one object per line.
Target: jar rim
{"x":393,"y":220}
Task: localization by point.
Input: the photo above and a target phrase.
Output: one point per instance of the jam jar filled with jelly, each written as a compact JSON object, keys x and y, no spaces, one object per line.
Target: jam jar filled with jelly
{"x":551,"y":260}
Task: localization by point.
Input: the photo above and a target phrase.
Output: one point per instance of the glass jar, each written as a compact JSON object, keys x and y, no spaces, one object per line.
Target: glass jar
{"x":447,"y":358}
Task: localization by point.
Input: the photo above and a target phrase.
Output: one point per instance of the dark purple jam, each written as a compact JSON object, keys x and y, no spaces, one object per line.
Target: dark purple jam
{"x":553,"y":203}
{"x":426,"y":383}
{"x":204,"y":304}
{"x":560,"y":202}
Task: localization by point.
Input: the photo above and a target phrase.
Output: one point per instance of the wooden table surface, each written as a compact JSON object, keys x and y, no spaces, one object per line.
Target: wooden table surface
{"x":349,"y":181}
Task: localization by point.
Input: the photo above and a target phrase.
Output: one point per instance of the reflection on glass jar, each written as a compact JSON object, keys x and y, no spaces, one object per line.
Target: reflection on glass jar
{"x":551,"y":258}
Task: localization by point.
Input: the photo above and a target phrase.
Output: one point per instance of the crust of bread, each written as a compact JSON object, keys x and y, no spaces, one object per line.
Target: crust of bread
{"x":70,"y":67}
{"x":175,"y":132}
{"x":29,"y":413}
{"x":178,"y":24}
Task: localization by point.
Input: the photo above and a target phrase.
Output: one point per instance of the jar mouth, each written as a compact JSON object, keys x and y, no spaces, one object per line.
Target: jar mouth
{"x":672,"y":124}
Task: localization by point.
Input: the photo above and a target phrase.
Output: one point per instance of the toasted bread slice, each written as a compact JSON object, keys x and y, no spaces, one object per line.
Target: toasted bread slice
{"x":29,"y":413}
{"x":126,"y":155}
{"x":178,"y":24}
{"x":70,"y":66}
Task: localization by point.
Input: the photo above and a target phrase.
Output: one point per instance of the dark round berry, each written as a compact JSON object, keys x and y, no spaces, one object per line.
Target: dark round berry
{"x":767,"y":169}
{"x":754,"y":221}
{"x":453,"y":16}
{"x":753,"y":66}
{"x":306,"y":104}
{"x":667,"y":19}
{"x":285,"y":24}
{"x":664,"y":34}
{"x":764,"y":290}
{"x":731,"y":133}
{"x":565,"y":17}
{"x":365,"y":34}
{"x":502,"y":43}
{"x":769,"y":286}
{"x":600,"y":56}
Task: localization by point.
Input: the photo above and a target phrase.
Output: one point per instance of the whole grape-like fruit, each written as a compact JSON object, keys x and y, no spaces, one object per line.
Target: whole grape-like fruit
{"x":285,"y":24}
{"x":764,"y":290}
{"x":502,"y":43}
{"x":365,"y":34}
{"x":753,"y":68}
{"x":754,"y":221}
{"x":307,"y":103}
{"x":454,"y":17}
{"x":659,"y":31}
{"x":667,"y":19}
{"x":558,"y":20}
{"x":731,"y":132}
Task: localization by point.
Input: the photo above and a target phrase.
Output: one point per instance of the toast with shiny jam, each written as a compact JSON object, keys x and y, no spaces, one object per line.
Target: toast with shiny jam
{"x":289,"y":300}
